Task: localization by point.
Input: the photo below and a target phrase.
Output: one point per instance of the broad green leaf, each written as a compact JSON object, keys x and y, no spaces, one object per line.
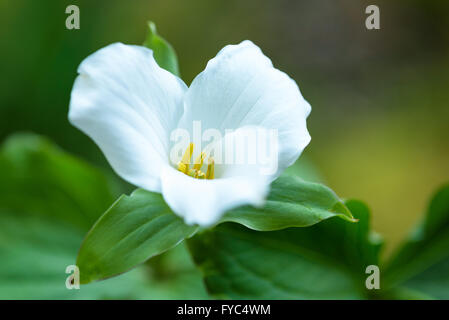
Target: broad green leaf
{"x":292,"y":202}
{"x":134,"y":229}
{"x":325,"y":261}
{"x":48,"y":202}
{"x":34,"y":254}
{"x":164,"y":54}
{"x":173,"y":275}
{"x":38,"y":178}
{"x":141,"y":226}
{"x":422,"y":263}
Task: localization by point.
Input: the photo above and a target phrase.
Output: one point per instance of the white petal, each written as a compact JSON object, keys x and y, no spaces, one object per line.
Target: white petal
{"x":248,"y":151}
{"x":203,"y":202}
{"x":240,"y":87}
{"x":128,"y":105}
{"x":239,"y":183}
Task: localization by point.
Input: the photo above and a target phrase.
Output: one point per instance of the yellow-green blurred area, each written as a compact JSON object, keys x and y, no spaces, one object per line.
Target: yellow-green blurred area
{"x":380,"y":98}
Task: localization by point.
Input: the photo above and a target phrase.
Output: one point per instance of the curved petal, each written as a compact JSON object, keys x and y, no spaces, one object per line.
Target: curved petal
{"x":249,"y":151}
{"x":203,"y":202}
{"x":128,"y":105}
{"x":241,"y":178}
{"x":241,"y":87}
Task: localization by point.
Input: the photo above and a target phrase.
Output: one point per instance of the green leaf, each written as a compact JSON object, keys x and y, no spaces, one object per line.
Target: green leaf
{"x":48,"y":200}
{"x":134,"y":229}
{"x":40,"y":179}
{"x":325,"y":261}
{"x":422,"y":263}
{"x":164,"y":54}
{"x":173,"y":275}
{"x":141,"y":226}
{"x":292,"y":202}
{"x":34,"y":254}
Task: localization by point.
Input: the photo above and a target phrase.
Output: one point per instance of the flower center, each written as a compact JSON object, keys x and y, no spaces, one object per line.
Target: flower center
{"x":195,"y":171}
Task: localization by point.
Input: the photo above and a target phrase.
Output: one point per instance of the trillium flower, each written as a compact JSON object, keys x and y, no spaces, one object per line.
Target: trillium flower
{"x":130,"y":107}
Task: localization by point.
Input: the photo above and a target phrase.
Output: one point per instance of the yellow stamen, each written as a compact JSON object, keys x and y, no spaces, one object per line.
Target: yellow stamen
{"x":191,"y":173}
{"x":199,"y":161}
{"x":183,"y":165}
{"x":195,"y":171}
{"x":201,"y":175}
{"x":210,"y":169}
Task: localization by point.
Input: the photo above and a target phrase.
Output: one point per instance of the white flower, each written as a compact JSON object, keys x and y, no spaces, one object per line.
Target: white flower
{"x":130,"y":106}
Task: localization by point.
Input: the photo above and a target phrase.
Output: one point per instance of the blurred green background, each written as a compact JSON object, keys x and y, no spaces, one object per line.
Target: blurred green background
{"x":380,"y":98}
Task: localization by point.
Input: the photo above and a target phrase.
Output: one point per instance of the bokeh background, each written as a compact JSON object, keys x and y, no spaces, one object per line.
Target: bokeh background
{"x":380,"y":98}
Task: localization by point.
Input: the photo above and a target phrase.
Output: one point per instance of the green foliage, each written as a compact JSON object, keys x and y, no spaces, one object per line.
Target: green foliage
{"x":141,"y":226}
{"x":422,"y":263}
{"x":164,"y":54}
{"x":38,"y":178}
{"x":48,"y":201}
{"x":292,"y":202}
{"x":325,"y":261}
{"x":34,"y":254}
{"x":133,"y":230}
{"x":173,"y":275}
